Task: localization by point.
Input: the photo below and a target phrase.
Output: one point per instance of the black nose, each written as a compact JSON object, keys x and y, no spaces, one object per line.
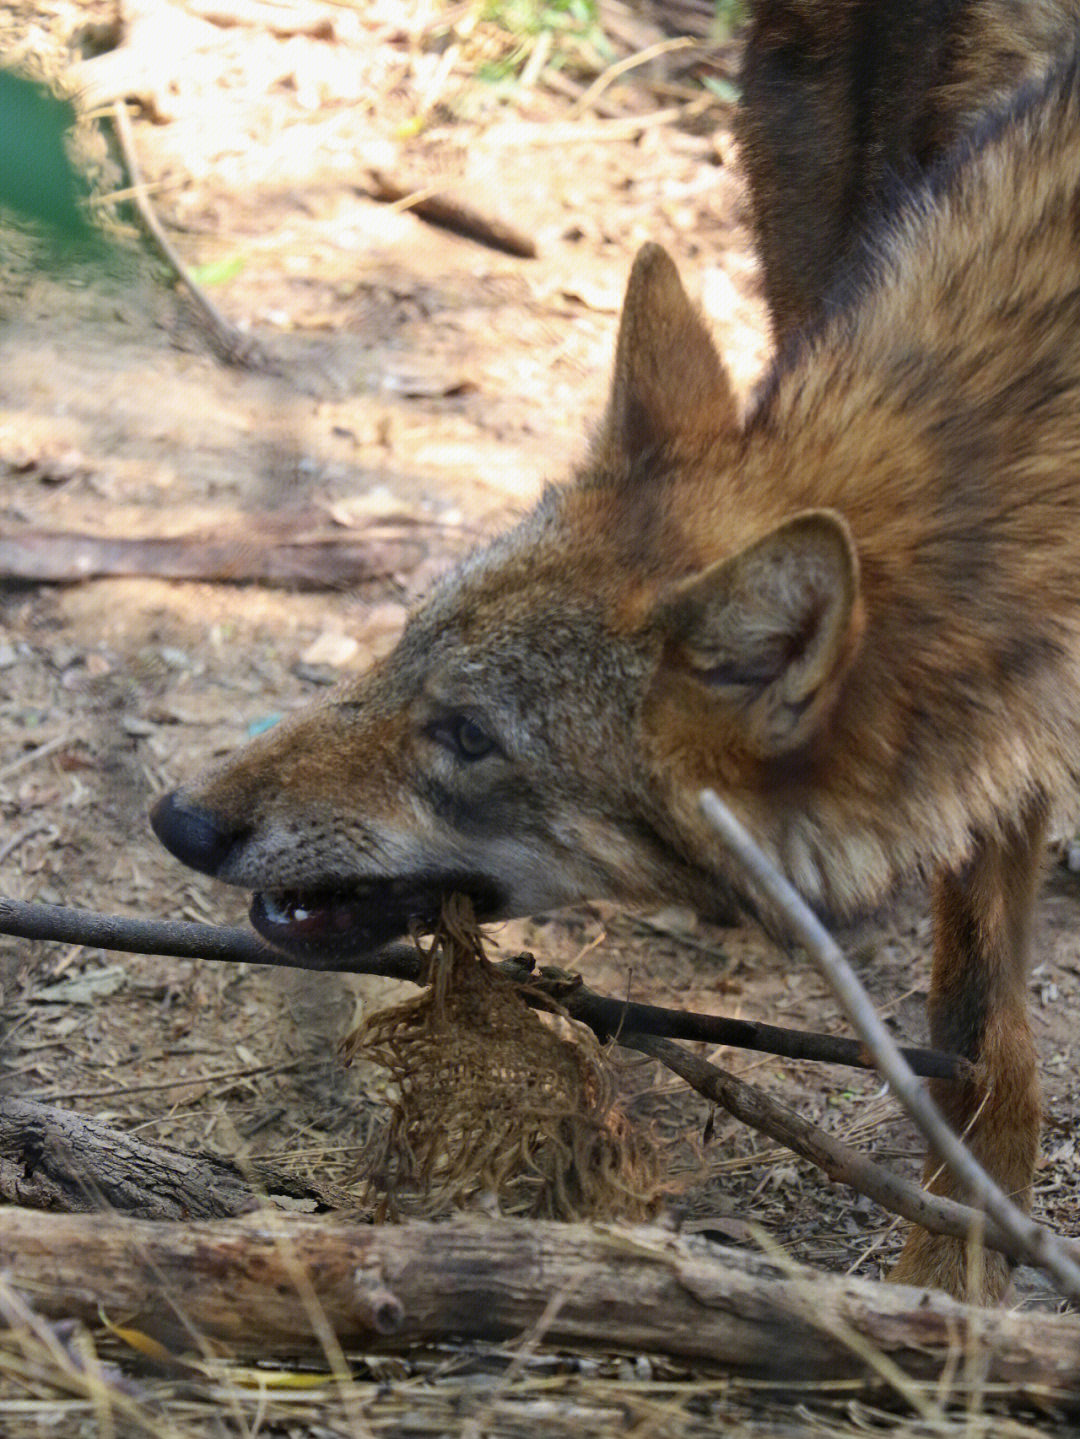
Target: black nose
{"x":192,"y":834}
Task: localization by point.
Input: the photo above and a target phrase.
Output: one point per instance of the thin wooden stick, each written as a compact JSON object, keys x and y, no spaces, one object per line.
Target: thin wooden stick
{"x":181,"y":939}
{"x":1038,"y":1245}
{"x":450,"y":213}
{"x":232,"y":344}
{"x":606,"y":1016}
{"x":631,"y":62}
{"x":609,"y":1017}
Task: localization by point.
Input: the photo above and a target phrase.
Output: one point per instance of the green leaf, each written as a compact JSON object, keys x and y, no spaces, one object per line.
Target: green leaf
{"x":36,"y":176}
{"x":725,"y":90}
{"x":217,"y":272}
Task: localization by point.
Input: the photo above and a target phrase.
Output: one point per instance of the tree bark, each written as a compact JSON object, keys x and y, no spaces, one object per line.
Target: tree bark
{"x":53,"y":1159}
{"x":267,"y":1283}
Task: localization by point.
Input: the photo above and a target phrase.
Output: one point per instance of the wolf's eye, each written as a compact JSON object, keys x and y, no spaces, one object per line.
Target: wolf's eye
{"x":463,"y":737}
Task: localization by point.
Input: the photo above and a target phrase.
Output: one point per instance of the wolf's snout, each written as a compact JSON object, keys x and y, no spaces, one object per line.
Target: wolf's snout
{"x":192,"y":834}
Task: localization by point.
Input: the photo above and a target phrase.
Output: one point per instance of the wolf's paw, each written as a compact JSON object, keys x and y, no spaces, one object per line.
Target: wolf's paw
{"x":967,"y":1271}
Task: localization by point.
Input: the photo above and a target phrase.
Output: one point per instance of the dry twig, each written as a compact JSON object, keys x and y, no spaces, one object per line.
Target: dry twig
{"x":609,"y":1018}
{"x":630,"y":62}
{"x":842,"y":1163}
{"x":1033,"y":1241}
{"x":606,"y":1017}
{"x":233,"y":345}
{"x":450,"y":213}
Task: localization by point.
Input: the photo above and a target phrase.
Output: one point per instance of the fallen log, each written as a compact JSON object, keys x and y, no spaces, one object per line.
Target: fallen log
{"x":265,"y":1286}
{"x":54,"y":1159}
{"x":263,"y":555}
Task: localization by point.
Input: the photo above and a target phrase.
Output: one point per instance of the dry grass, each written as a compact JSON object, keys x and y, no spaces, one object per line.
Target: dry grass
{"x":58,"y":1385}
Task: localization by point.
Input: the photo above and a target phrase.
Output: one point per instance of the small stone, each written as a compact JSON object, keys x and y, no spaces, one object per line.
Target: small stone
{"x":315,"y":674}
{"x":331,"y":648}
{"x":84,"y":988}
{"x":673,"y":919}
{"x":64,"y":656}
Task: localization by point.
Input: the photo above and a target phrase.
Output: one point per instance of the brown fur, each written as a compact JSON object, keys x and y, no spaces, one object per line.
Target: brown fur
{"x":856,"y":617}
{"x":847,"y":101}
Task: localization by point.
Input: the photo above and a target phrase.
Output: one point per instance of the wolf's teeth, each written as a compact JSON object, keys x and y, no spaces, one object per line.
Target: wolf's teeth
{"x":276,"y":906}
{"x":309,"y":913}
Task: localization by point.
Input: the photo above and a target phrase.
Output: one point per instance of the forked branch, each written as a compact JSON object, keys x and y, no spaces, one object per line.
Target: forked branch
{"x":843,"y":1164}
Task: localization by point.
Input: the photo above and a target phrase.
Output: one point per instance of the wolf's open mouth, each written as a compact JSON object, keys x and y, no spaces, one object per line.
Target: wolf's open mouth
{"x":341,"y":923}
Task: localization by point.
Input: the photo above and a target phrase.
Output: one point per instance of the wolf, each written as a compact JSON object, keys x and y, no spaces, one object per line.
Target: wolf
{"x":853,"y":612}
{"x":845,"y":103}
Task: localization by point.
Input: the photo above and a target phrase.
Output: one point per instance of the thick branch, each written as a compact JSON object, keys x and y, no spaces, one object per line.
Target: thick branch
{"x":262,"y":554}
{"x":265,"y":1283}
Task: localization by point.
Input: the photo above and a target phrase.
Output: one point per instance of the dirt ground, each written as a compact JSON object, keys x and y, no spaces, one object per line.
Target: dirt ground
{"x":421,"y":384}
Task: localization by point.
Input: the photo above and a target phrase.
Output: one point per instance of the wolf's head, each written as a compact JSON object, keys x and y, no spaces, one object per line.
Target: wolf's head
{"x":541,"y":731}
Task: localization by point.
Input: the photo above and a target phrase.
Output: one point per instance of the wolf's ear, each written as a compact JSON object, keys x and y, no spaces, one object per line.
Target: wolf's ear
{"x":669,"y":379}
{"x":772,"y":629}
